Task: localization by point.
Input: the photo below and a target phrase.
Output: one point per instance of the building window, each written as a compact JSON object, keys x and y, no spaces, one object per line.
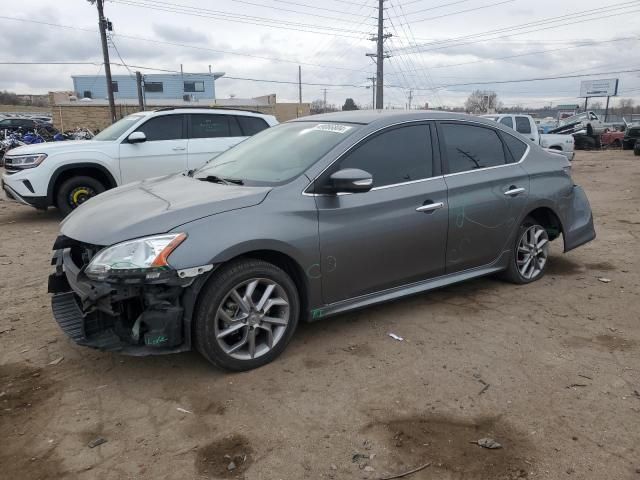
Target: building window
{"x":153,"y":87}
{"x":193,"y":87}
{"x":114,"y":87}
{"x":86,"y":94}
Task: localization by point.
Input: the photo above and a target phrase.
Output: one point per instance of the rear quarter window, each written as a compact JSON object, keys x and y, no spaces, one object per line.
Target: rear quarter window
{"x":515,"y":147}
{"x":251,"y":125}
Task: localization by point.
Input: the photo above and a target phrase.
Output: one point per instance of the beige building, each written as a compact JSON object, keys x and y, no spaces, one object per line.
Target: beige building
{"x":69,"y":113}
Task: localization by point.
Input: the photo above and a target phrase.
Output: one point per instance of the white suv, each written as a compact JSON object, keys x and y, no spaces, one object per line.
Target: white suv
{"x":142,"y":145}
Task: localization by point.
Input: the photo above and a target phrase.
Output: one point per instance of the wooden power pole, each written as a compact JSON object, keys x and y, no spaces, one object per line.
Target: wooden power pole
{"x":103,"y":24}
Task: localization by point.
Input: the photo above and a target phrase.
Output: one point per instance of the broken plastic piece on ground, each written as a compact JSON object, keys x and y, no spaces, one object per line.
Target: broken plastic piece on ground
{"x":183,"y":410}
{"x":396,"y":337}
{"x":604,"y":280}
{"x":488,"y":443}
{"x":98,"y":441}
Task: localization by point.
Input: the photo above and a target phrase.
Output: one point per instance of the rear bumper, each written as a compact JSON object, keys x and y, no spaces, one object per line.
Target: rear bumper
{"x":578,"y":228}
{"x":127,"y":315}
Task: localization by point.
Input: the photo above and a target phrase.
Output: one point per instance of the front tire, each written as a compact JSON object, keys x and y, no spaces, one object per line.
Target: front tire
{"x":75,"y":191}
{"x":530,"y":253}
{"x":246,"y":315}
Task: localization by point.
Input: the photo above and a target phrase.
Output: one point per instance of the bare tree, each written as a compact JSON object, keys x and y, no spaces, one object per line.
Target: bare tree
{"x":318,"y":106}
{"x":482,"y":101}
{"x":625,"y":105}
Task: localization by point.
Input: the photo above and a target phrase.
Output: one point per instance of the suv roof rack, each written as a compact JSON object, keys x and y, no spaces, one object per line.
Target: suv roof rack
{"x":163,"y":109}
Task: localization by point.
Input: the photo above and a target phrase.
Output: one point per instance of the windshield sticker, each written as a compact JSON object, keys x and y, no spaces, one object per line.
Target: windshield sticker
{"x":331,"y":127}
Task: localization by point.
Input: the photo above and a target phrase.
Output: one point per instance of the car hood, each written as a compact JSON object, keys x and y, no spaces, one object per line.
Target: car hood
{"x":154,"y":206}
{"x":53,"y":147}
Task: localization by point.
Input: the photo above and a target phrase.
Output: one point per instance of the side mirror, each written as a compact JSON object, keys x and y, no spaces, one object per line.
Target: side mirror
{"x":137,"y":137}
{"x":350,"y":180}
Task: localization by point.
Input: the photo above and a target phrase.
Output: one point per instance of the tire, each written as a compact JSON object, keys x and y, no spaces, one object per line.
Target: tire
{"x":75,"y":191}
{"x":626,"y":146}
{"x":514,"y":272}
{"x":617,"y":143}
{"x":219,"y":311}
{"x":636,"y":149}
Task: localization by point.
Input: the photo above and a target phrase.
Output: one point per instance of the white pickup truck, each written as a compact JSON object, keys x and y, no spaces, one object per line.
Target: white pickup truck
{"x":526,"y":126}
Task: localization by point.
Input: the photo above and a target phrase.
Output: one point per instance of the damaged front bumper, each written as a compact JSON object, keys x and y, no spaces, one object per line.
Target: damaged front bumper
{"x":128,"y":313}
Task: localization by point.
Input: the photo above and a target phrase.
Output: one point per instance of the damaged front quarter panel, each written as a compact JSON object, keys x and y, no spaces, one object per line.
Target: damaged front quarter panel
{"x":137,"y":313}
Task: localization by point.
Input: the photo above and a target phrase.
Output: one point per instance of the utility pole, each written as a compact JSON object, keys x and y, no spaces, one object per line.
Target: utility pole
{"x":299,"y":84}
{"x":373,"y":91}
{"x":139,"y":85}
{"x":410,"y":98}
{"x":103,"y":24}
{"x":379,"y":56}
{"x":324,"y":104}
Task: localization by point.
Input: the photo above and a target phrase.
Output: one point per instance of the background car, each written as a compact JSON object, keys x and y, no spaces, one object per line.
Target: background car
{"x":142,"y":145}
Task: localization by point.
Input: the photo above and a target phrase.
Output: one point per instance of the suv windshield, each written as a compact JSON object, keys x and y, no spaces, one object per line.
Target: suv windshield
{"x":113,"y":132}
{"x":278,"y":154}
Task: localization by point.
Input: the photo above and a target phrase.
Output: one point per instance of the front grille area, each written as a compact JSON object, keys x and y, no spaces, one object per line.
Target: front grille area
{"x":67,"y":313}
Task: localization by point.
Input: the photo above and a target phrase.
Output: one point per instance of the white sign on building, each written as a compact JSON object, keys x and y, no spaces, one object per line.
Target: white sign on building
{"x":599,"y":88}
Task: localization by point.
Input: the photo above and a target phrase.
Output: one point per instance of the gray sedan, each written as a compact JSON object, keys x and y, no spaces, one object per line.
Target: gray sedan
{"x":314,"y":217}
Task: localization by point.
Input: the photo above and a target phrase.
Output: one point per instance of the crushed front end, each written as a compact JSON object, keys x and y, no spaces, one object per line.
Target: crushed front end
{"x":137,"y":311}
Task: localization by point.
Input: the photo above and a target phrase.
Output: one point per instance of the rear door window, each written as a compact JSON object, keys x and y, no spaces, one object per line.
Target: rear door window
{"x":523,"y":125}
{"x":166,"y":127}
{"x":470,"y":147}
{"x":213,"y":126}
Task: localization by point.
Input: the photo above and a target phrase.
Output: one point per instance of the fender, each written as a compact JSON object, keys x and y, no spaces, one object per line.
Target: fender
{"x":72,"y":166}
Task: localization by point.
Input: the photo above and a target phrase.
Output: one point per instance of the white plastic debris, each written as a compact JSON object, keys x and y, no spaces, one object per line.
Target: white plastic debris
{"x":604,"y":280}
{"x":183,"y":410}
{"x":396,"y":337}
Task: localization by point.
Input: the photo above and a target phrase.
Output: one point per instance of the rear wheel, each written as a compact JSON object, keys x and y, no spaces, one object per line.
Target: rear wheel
{"x":75,"y":191}
{"x":530,"y":253}
{"x":247,"y":314}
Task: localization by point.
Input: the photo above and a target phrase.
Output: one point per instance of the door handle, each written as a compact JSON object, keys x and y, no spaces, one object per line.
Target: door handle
{"x":513,"y":191}
{"x":430,"y":207}
{"x":178,"y":149}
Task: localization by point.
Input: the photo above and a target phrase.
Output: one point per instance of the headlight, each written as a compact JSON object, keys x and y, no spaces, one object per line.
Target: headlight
{"x":135,"y":255}
{"x":24,"y":161}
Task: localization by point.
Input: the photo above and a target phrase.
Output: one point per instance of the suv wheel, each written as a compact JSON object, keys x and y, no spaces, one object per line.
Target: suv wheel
{"x":246,"y":315}
{"x":530,"y":253}
{"x":75,"y":191}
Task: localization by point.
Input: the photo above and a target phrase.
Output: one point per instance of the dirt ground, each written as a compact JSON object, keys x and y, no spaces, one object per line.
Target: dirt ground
{"x":549,"y":370}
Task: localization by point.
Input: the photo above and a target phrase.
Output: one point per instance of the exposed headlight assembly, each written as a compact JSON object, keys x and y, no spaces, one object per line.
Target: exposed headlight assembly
{"x":133,"y":256}
{"x":20,"y":162}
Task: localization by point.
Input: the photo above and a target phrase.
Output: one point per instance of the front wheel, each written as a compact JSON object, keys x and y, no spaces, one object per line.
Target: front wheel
{"x":530,"y":253}
{"x":247,"y":314}
{"x":75,"y":191}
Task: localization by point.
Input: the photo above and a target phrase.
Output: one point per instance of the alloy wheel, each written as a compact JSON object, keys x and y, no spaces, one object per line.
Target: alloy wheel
{"x":533,"y":252}
{"x":252,"y":318}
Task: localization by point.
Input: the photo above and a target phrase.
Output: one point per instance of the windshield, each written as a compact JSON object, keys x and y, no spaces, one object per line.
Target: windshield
{"x":278,"y":154}
{"x":113,"y":132}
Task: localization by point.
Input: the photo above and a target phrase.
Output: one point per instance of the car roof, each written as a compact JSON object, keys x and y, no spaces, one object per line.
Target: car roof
{"x":388,"y":117}
{"x":217,"y":110}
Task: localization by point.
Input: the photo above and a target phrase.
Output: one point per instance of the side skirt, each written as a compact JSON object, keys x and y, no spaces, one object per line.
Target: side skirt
{"x":410,"y":289}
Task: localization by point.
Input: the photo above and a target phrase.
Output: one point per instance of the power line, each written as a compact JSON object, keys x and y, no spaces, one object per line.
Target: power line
{"x":436,"y":7}
{"x":483,"y":60}
{"x":449,"y":43}
{"x":238,"y":18}
{"x":163,"y":42}
{"x":463,"y":11}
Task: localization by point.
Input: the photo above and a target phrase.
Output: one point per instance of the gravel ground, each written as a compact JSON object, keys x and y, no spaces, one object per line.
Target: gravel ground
{"x":549,"y":370}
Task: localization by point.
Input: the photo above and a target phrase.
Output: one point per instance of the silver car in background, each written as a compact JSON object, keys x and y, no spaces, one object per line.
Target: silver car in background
{"x":314,"y":217}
